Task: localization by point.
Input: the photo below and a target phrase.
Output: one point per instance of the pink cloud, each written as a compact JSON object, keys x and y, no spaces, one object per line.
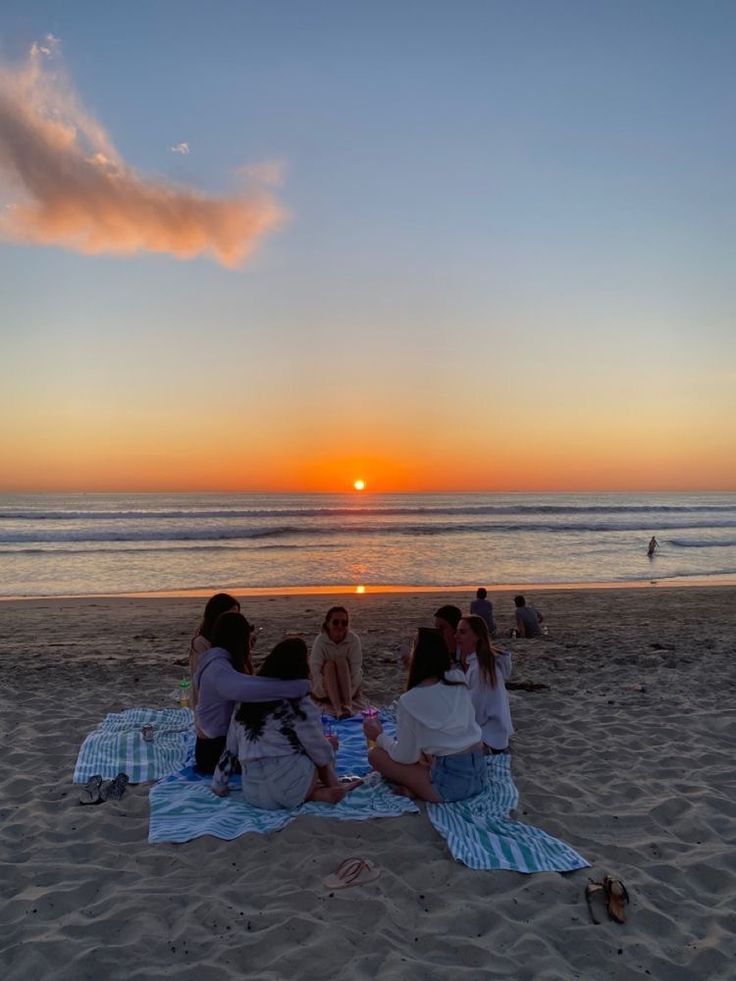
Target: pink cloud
{"x":65,"y":183}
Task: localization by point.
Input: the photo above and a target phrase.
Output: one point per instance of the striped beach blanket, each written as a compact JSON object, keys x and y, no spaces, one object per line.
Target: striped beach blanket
{"x":480,"y":834}
{"x":183,"y":807}
{"x":117,"y":746}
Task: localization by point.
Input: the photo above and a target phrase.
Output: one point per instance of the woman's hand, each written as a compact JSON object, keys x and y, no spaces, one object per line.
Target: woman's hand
{"x":372,"y":728}
{"x":333,"y":741}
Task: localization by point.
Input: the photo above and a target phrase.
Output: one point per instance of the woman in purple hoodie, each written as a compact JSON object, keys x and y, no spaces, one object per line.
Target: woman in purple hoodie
{"x":224,"y":678}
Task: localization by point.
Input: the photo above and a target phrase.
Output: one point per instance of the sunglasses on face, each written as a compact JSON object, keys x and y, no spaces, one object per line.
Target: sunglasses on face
{"x":339,"y":623}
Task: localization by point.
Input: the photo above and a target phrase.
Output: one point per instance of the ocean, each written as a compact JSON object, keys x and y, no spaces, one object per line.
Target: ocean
{"x":86,"y":544}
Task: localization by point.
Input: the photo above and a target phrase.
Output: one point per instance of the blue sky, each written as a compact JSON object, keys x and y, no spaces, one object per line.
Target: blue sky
{"x":521,"y":213}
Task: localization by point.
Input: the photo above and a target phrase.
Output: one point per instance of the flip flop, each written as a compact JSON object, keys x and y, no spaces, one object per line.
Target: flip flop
{"x":91,"y":791}
{"x":617,"y":898}
{"x":592,"y":890}
{"x":115,"y":788}
{"x":352,"y":872}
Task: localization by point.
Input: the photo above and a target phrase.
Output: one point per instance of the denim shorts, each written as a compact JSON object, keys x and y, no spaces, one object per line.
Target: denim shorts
{"x":279,"y":781}
{"x":459,"y":776}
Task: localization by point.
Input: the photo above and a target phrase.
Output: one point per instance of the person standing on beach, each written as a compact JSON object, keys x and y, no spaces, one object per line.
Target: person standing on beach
{"x":653,"y":545}
{"x":528,"y":619}
{"x":482,"y":607}
{"x":336,"y":664}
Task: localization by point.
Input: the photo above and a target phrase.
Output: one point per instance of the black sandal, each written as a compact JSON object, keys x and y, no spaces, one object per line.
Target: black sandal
{"x":115,"y":788}
{"x":91,"y":791}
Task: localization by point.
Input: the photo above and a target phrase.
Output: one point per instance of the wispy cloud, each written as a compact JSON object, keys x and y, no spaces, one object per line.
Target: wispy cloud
{"x":271,"y":172}
{"x":182,"y":148}
{"x":68,"y":186}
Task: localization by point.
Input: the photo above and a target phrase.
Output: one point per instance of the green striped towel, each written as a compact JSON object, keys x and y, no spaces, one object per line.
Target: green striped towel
{"x":480,"y":834}
{"x":117,"y":746}
{"x":183,"y":807}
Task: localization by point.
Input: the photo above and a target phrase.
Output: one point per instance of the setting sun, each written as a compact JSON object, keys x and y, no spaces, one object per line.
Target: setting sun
{"x":359,"y":485}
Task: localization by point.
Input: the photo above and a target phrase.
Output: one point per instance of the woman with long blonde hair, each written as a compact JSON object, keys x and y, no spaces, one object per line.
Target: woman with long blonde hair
{"x":486,"y":670}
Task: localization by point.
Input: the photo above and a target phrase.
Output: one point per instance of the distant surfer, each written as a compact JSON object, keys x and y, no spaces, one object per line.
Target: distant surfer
{"x":653,"y":544}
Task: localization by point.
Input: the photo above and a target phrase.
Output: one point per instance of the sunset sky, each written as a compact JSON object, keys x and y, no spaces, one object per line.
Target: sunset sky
{"x":436,"y":246}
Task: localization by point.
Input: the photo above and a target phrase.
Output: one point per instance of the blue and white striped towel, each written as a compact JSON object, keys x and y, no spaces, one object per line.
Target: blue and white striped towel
{"x":480,"y":834}
{"x":183,"y":807}
{"x":117,"y":746}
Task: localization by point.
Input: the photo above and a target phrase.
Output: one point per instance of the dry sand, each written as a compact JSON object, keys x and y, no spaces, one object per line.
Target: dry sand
{"x":628,"y":755}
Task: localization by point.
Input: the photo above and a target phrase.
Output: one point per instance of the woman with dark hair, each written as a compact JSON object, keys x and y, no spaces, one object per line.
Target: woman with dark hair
{"x":486,"y":670}
{"x":336,"y":664}
{"x":437,"y":754}
{"x":202,"y":640}
{"x":283,"y":753}
{"x":223,"y":677}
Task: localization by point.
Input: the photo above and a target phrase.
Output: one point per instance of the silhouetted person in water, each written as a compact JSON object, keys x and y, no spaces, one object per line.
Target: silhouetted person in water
{"x":653,"y":544}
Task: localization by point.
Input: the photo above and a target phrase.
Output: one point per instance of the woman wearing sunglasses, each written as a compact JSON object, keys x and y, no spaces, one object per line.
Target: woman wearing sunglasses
{"x":336,"y":664}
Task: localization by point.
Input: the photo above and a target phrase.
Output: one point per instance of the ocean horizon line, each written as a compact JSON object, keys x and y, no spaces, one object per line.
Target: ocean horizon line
{"x":367,"y":492}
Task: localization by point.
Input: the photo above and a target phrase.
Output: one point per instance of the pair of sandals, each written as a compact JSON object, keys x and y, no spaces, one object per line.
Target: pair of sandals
{"x":613,"y":891}
{"x":97,"y":790}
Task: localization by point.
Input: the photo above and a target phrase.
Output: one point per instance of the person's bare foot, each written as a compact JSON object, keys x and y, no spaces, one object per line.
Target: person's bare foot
{"x":349,"y":785}
{"x":329,"y":795}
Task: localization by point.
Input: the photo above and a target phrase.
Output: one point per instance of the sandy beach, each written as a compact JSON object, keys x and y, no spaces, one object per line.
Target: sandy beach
{"x":626,"y":753}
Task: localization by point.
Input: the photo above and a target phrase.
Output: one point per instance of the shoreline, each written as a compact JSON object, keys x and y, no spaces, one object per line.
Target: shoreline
{"x":683,"y":582}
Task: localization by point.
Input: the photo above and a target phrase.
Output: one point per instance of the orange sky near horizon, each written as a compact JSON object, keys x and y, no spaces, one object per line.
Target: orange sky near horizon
{"x":191,"y":452}
{"x":444,"y":275}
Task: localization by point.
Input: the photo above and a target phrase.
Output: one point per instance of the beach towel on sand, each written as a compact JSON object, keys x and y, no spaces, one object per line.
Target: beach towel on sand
{"x":478,"y":831}
{"x":117,"y":746}
{"x":183,"y":806}
{"x":480,"y":834}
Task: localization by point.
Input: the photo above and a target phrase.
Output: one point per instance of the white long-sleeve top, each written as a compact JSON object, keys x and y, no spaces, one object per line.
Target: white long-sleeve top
{"x":492,"y":711}
{"x":436,"y":720}
{"x":325,"y":649}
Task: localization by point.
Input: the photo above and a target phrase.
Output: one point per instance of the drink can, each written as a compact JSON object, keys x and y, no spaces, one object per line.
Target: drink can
{"x":370,"y":713}
{"x":147,"y":732}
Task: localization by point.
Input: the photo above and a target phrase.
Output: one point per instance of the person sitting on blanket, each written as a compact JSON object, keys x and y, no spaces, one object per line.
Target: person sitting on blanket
{"x":202,"y":640}
{"x":336,"y":664}
{"x":223,"y":679}
{"x":486,"y":670}
{"x":446,"y":620}
{"x":285,"y":757}
{"x":437,"y":754}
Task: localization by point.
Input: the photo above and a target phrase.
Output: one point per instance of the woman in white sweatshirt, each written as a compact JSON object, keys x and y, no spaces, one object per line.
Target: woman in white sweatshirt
{"x":437,"y":754}
{"x":486,"y":670}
